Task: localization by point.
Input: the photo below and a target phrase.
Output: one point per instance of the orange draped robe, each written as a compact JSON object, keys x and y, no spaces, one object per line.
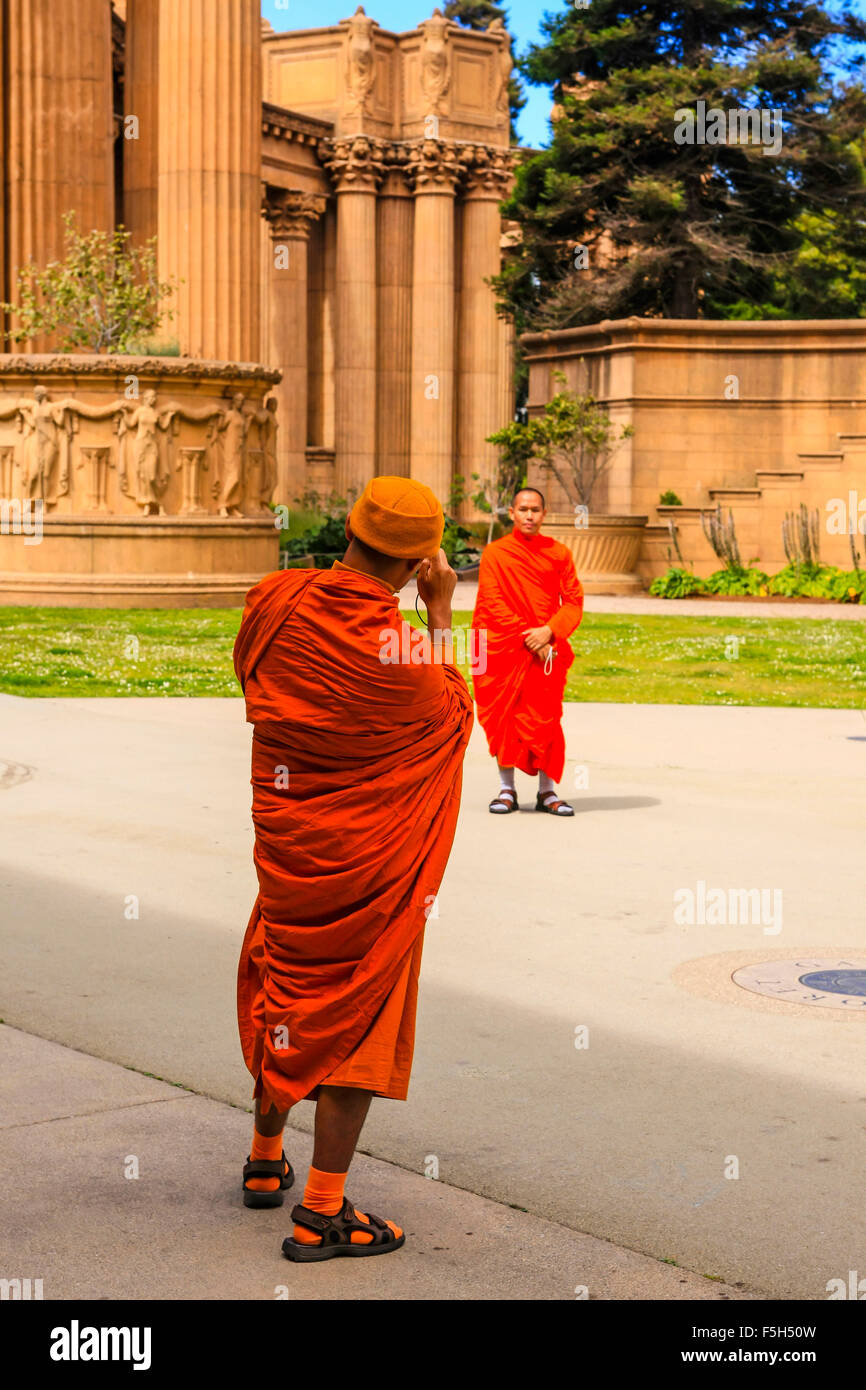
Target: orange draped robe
{"x":524,"y":581}
{"x":356,"y":775}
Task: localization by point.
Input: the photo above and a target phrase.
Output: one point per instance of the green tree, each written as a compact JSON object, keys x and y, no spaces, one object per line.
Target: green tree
{"x":480,"y":14}
{"x":105,"y":295}
{"x":515,"y":443}
{"x":575,"y":440}
{"x":621,"y":214}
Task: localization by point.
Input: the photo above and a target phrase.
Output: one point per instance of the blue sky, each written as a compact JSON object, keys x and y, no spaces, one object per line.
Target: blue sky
{"x":523,"y":21}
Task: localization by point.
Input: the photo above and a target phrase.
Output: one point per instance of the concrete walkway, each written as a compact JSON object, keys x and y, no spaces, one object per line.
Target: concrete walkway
{"x":465,"y":594}
{"x":140,"y":1199}
{"x":126,"y":881}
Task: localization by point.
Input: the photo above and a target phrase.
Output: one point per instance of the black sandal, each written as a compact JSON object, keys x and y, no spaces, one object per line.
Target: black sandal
{"x":267,"y":1168}
{"x":554,"y":807}
{"x":499,"y":801}
{"x":336,"y":1232}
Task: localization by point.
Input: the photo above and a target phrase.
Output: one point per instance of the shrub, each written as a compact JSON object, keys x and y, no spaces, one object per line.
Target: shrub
{"x":677,"y":583}
{"x":737,"y":581}
{"x":670,"y":499}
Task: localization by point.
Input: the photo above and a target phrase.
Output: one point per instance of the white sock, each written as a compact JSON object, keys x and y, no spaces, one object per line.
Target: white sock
{"x":506,"y":778}
{"x":546,"y":784}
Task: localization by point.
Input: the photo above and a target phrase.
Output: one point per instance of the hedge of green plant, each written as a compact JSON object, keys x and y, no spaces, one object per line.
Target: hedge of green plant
{"x":794,"y":581}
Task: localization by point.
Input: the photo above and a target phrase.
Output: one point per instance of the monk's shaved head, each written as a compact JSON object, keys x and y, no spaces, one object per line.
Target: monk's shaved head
{"x":520,"y":491}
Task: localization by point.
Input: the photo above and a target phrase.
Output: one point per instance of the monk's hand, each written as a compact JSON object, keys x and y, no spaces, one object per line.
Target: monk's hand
{"x":436,"y":584}
{"x":537,"y":637}
{"x":543,"y":652}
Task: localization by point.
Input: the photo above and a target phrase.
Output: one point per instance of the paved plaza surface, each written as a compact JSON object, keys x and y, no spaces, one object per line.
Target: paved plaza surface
{"x":466,"y":593}
{"x":549,"y":933}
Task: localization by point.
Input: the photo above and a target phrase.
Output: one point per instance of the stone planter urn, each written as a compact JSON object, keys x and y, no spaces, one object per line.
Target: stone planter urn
{"x":605,"y":549}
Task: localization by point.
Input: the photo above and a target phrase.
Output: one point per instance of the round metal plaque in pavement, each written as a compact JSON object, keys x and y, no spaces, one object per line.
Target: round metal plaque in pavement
{"x":828,"y":983}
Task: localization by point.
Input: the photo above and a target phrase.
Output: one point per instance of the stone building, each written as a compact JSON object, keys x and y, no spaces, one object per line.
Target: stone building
{"x":328,"y":199}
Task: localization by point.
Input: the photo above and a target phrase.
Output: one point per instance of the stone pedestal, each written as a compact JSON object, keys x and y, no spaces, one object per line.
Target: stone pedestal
{"x":138,"y":562}
{"x":606,"y":550}
{"x":210,"y":172}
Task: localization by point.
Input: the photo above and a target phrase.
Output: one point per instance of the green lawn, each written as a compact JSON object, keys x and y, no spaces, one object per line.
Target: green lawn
{"x":619,"y":657}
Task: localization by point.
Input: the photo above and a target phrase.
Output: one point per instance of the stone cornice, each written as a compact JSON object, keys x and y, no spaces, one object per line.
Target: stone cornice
{"x":95,"y":364}
{"x":291,"y":213}
{"x":284,"y":124}
{"x":356,"y":163}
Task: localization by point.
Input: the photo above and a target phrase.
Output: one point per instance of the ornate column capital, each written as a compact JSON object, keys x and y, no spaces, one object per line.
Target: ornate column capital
{"x":488,"y":172}
{"x":291,"y":213}
{"x":434,"y":166}
{"x":356,"y":163}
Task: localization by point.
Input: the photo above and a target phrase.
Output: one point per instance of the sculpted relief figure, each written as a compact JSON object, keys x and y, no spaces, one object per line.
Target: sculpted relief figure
{"x":150,"y":462}
{"x":266,"y":420}
{"x":505,"y":64}
{"x":360,"y":63}
{"x":150,"y":473}
{"x":232,"y":428}
{"x":435,"y":74}
{"x":48,"y":427}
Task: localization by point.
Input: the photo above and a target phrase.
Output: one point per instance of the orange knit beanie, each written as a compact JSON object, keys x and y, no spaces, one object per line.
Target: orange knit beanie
{"x":399,"y":517}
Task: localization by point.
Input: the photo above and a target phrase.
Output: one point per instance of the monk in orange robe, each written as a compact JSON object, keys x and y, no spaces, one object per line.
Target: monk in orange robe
{"x":356,"y":774}
{"x":529,"y":602}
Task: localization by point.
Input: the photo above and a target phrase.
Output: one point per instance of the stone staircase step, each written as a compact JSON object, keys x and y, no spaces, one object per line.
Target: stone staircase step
{"x":682,"y":513}
{"x":735,"y":494}
{"x":831,"y":459}
{"x":777,"y":477}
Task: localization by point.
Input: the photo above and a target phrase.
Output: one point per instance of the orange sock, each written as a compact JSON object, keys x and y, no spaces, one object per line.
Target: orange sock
{"x":324,"y":1193}
{"x":266,"y":1147}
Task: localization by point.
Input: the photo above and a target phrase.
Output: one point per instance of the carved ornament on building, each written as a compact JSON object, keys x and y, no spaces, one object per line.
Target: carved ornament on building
{"x":499,"y":31}
{"x":435,"y":166}
{"x":355,"y":162}
{"x":435,"y":60}
{"x":291,"y":213}
{"x":360,"y":61}
{"x":488,"y":171}
{"x":135,"y":440}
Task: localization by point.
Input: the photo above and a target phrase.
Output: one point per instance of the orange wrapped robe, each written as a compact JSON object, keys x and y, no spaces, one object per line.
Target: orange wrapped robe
{"x":524,"y":581}
{"x":350,"y":853}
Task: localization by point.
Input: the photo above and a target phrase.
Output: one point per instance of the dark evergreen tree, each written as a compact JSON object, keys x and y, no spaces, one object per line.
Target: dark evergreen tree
{"x":629,"y":212}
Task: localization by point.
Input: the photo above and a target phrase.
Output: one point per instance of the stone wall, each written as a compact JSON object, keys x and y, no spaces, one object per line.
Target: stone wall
{"x":755,"y":417}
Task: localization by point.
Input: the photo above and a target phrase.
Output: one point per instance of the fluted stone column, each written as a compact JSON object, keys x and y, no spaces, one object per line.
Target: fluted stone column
{"x":59,"y":135}
{"x":141,"y":100}
{"x":356,"y":165}
{"x":480,"y":353}
{"x":322,"y":253}
{"x":290,"y":215}
{"x":434,"y":168}
{"x":394,"y":299}
{"x":209,"y":173}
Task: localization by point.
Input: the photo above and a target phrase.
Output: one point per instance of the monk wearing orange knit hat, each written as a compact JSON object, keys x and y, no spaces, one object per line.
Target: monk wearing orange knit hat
{"x":356,"y":772}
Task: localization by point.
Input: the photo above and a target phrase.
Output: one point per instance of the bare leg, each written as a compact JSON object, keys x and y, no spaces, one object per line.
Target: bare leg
{"x":270,"y":1123}
{"x":340,"y":1115}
